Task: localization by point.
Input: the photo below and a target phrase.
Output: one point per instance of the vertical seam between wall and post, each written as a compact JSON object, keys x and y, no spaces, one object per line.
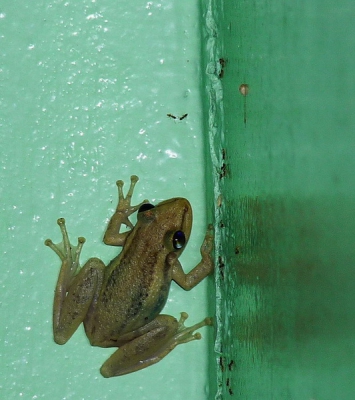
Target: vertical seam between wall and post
{"x":214,"y":90}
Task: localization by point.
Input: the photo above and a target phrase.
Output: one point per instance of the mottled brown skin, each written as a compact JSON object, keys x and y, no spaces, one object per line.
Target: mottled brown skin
{"x":136,"y":283}
{"x":120,"y":304}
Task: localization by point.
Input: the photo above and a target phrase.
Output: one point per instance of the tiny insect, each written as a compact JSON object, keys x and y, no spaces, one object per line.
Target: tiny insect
{"x":175,"y":117}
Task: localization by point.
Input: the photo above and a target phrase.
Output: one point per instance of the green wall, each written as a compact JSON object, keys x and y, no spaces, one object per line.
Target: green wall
{"x":286,"y":244}
{"x":86,"y":87}
{"x":85,"y":92}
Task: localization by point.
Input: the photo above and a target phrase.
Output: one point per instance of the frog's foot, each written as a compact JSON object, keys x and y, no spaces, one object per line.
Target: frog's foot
{"x":185,"y":334}
{"x":124,"y":206}
{"x":68,"y":253}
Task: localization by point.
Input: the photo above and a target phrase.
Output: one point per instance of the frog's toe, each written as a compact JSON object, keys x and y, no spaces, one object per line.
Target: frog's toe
{"x":186,"y":333}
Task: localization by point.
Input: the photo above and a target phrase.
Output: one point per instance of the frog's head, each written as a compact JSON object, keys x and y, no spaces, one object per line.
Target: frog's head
{"x":172,"y":221}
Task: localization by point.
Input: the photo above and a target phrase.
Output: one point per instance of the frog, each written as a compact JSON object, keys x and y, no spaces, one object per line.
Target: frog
{"x":120,"y":304}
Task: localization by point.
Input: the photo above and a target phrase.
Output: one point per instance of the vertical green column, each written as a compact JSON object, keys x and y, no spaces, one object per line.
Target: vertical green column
{"x":284,"y":156}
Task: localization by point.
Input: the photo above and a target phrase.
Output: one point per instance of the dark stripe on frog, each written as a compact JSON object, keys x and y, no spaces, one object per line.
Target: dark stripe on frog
{"x":141,"y":291}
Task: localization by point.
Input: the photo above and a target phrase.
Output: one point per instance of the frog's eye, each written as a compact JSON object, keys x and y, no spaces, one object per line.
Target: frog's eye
{"x":179,"y":240}
{"x":145,"y":207}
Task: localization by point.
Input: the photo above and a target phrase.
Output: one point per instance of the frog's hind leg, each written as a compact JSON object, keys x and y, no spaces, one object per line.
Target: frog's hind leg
{"x":158,"y":338}
{"x":77,"y":289}
{"x":81,"y":296}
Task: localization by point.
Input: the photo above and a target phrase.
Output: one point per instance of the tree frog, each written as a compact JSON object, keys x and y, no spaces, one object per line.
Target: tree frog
{"x":120,"y":304}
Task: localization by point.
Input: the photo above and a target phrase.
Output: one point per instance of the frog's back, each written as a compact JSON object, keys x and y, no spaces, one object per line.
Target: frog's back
{"x":135,"y":290}
{"x":137,"y":282}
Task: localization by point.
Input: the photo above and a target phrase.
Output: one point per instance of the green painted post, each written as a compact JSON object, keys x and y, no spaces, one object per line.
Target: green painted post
{"x":285,"y":155}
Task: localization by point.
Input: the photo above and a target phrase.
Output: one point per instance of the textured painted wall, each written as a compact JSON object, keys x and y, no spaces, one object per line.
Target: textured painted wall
{"x":85,"y":92}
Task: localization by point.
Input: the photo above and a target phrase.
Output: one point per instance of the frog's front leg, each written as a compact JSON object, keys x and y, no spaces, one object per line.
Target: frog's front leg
{"x":202,"y":269}
{"x":149,"y":344}
{"x":77,"y":289}
{"x":112,"y":236}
